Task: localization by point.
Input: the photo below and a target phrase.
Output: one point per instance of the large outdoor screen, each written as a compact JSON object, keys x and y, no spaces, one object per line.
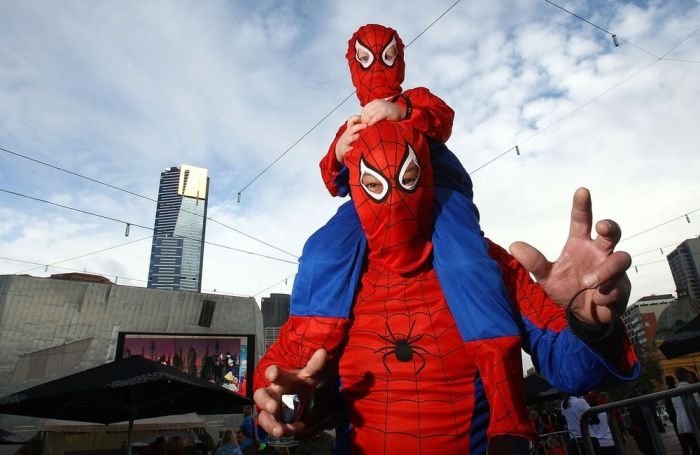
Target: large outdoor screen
{"x":221,"y":359}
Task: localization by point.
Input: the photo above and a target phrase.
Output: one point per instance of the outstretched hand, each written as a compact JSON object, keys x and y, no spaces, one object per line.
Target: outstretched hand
{"x":583,"y":263}
{"x":301,"y":382}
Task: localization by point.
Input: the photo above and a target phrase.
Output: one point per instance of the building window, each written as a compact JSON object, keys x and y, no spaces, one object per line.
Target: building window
{"x":207,"y":313}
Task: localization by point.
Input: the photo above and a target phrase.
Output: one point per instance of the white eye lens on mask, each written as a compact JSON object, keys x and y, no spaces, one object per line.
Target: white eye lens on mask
{"x":365,"y":169}
{"x":365,"y":62}
{"x":389,"y":60}
{"x":410,"y":159}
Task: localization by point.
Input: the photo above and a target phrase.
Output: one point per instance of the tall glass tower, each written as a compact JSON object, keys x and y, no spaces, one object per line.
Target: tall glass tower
{"x":177,"y":250}
{"x":685,"y":268}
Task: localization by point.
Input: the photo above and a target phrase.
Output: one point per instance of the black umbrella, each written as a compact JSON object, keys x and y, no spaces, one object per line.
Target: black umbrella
{"x":685,"y":340}
{"x":537,"y":389}
{"x":123,"y":390}
{"x":7,"y":437}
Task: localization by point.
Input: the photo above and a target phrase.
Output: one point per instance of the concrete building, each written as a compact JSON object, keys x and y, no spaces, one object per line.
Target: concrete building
{"x":684,"y":262}
{"x":50,"y":328}
{"x":177,"y":250}
{"x":641,"y":317}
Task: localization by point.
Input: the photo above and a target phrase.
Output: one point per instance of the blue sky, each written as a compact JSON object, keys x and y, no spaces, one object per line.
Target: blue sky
{"x":117,"y":91}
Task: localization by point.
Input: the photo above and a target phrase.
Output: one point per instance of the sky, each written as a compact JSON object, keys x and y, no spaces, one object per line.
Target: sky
{"x":116,"y":91}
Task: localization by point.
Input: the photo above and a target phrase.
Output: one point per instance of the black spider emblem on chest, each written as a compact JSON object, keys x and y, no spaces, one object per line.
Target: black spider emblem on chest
{"x":404,"y":348}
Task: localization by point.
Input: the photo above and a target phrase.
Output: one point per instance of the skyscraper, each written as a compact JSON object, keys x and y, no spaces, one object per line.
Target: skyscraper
{"x":275,"y":312}
{"x":685,"y":268}
{"x":178,"y":234}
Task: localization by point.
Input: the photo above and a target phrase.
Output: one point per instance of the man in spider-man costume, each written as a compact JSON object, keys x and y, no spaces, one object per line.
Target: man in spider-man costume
{"x":408,"y":380}
{"x":470,"y":279}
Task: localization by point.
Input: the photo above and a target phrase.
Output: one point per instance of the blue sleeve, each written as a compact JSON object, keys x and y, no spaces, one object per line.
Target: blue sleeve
{"x":568,"y":363}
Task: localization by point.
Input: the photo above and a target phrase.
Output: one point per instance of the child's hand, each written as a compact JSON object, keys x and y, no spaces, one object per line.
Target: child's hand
{"x":380,"y":109}
{"x":344,"y":144}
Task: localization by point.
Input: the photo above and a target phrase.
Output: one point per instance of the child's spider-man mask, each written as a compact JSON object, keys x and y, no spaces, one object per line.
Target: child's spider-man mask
{"x":391,"y":183}
{"x":375,"y":55}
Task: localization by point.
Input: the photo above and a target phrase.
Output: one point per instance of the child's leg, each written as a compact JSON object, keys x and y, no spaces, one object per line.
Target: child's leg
{"x":330,"y":267}
{"x":473,"y":286}
{"x":470,"y":279}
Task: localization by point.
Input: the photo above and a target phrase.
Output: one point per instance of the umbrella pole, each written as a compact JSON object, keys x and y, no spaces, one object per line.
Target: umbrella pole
{"x":128,"y":436}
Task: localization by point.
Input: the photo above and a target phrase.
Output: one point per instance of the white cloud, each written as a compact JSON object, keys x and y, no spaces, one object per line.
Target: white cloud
{"x":118,"y":93}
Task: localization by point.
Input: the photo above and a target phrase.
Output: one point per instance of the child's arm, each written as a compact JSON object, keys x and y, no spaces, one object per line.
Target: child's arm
{"x":427,"y":113}
{"x":333,"y":171}
{"x":424,"y":111}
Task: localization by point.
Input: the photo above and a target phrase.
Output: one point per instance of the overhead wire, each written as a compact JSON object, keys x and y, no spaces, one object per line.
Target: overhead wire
{"x":67,"y":171}
{"x":589,"y":102}
{"x":499,"y":156}
{"x":117,"y":277}
{"x":68,"y":269}
{"x":283,"y":280}
{"x":53,"y":264}
{"x":685,"y":215}
{"x":73,"y":208}
{"x":578,"y":108}
{"x":613,"y":35}
{"x":109,"y":185}
{"x":146,"y":227}
{"x":240,"y":192}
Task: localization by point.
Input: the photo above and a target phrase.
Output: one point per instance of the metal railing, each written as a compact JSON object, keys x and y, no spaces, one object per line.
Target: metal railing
{"x":647,"y":404}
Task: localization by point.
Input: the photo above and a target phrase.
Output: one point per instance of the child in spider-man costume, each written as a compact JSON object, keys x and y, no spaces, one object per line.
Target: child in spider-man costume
{"x":409,"y":381}
{"x":469,"y":278}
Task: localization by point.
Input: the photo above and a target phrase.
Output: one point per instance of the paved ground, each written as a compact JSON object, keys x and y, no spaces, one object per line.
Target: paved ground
{"x":668,"y":440}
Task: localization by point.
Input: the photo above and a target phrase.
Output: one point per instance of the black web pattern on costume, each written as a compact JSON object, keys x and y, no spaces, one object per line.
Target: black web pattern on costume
{"x":395,"y":147}
{"x":374,"y":79}
{"x":441,"y":393}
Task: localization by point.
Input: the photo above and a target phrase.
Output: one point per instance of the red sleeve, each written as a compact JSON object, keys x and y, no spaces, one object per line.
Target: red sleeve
{"x":427,"y":113}
{"x":528,"y":297}
{"x":299,"y":338}
{"x":330,"y":167}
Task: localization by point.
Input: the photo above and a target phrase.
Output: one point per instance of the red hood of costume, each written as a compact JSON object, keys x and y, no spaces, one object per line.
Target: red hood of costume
{"x":396,"y":215}
{"x":375,"y":56}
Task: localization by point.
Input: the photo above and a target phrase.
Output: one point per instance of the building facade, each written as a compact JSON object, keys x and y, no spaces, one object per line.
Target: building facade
{"x":177,"y":250}
{"x":684,"y":262}
{"x":641,"y":317}
{"x":52,"y":327}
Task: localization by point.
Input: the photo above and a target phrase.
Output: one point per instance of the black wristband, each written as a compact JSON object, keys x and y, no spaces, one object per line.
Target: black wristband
{"x":409,"y":107}
{"x":604,"y":338}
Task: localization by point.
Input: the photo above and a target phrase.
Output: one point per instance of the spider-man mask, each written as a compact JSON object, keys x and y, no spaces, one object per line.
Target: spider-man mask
{"x":391,"y":183}
{"x":375,"y":55}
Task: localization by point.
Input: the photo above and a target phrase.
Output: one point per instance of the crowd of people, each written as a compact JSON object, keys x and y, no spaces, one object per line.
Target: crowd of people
{"x":559,"y":428}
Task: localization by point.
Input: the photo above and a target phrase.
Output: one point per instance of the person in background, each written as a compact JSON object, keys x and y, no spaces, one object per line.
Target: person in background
{"x":245,"y":442}
{"x":688,"y":440}
{"x":555,"y":446}
{"x":175,"y":446}
{"x":158,"y":446}
{"x":601,"y":431}
{"x":668,"y":403}
{"x":229,"y":445}
{"x":572,"y":408}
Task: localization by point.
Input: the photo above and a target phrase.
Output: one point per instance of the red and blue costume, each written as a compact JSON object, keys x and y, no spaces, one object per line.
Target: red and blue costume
{"x":409,"y":381}
{"x":470,"y":280}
